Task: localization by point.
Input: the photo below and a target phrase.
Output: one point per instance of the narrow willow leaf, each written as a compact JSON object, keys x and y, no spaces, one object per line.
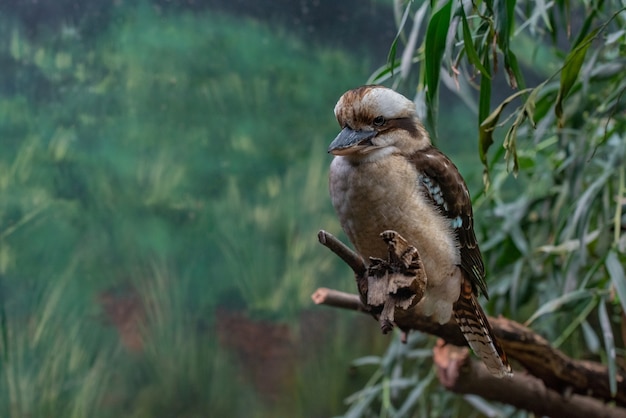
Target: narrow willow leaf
{"x":518,"y":238}
{"x":555,"y":304}
{"x":484,"y":105}
{"x":542,"y":9}
{"x":483,"y":406}
{"x":616,"y":272}
{"x":386,"y":395}
{"x":359,"y":401}
{"x":591,"y":338}
{"x":435,"y":44}
{"x":489,"y":124}
{"x":504,"y":17}
{"x":414,"y":396}
{"x":569,"y":73}
{"x":609,"y":345}
{"x":516,"y":79}
{"x":472,"y":55}
{"x":585,"y":202}
{"x":575,"y":322}
{"x":511,"y":151}
{"x":510,"y":143}
{"x":382,"y":74}
{"x":420,"y":353}
{"x":367,"y":361}
{"x":504,"y":20}
{"x":484,"y":101}
{"x":585,"y":27}
{"x":529,"y":105}
{"x":411,"y":45}
{"x":570,"y":245}
{"x":391,"y":57}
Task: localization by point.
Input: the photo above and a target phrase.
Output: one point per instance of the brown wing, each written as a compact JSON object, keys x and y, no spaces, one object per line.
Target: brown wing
{"x":445,"y":187}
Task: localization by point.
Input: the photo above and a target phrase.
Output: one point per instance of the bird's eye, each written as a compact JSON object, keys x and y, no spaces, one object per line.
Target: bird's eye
{"x":379,"y":121}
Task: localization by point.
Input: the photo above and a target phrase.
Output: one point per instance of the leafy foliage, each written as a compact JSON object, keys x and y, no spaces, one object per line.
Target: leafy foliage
{"x":552,"y":237}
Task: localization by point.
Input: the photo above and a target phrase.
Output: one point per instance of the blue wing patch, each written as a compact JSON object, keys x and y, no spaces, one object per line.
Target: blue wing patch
{"x":434,"y":191}
{"x":456,"y":222}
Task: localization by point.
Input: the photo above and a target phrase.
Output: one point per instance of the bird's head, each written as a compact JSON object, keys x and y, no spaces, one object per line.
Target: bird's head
{"x":377,"y":121}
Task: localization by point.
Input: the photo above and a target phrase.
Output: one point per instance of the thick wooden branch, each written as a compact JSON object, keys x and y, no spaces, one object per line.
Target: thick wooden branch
{"x":557,"y":371}
{"x":460,"y":373}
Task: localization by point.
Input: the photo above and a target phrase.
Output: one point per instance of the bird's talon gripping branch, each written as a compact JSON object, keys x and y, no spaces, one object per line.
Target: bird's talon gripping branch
{"x":396,"y":284}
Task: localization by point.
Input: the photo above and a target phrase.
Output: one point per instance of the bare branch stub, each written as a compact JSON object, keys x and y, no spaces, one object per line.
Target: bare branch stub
{"x":389,"y":286}
{"x":342,"y":251}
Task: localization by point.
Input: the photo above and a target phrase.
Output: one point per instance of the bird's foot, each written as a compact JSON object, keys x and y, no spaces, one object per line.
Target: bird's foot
{"x":397,"y":283}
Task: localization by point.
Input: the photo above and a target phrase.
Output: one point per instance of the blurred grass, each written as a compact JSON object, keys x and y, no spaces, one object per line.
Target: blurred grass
{"x":172,"y":168}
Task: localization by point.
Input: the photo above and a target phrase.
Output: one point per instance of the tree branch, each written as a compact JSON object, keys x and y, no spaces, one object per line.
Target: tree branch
{"x":342,"y":251}
{"x":460,"y":373}
{"x":558,"y":372}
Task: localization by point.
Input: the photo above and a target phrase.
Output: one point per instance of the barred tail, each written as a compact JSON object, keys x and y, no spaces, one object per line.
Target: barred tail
{"x":477,"y":331}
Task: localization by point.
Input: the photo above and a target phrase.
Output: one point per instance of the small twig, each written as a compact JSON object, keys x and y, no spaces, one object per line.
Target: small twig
{"x":351,"y":258}
{"x":337,"y":299}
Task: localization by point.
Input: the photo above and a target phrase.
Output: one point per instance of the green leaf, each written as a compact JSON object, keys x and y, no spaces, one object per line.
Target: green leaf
{"x":391,"y":57}
{"x":472,"y":55}
{"x":555,"y":304}
{"x":609,"y":345}
{"x":435,"y":45}
{"x":616,"y":272}
{"x":510,"y":139}
{"x":529,"y":105}
{"x":484,"y":105}
{"x":489,"y":124}
{"x":484,"y":101}
{"x":367,"y":361}
{"x":585,"y":26}
{"x":382,"y":74}
{"x":509,"y":144}
{"x":504,"y":17}
{"x":516,"y":79}
{"x":575,"y":322}
{"x":591,"y":338}
{"x":414,"y":396}
{"x":569,"y":73}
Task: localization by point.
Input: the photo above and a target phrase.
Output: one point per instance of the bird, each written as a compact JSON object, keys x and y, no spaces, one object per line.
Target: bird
{"x":387,"y":175}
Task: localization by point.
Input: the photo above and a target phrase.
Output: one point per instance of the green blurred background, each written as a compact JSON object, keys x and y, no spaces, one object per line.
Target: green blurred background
{"x":163,"y":175}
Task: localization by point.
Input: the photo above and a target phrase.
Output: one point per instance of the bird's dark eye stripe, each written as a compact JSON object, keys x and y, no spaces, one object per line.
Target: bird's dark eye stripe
{"x":379,"y":121}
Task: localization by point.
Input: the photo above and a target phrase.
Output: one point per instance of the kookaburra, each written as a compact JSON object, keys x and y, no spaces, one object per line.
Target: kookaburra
{"x":386,"y":175}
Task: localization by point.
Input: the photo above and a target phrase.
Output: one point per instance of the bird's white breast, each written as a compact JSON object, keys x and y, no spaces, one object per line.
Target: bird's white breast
{"x":377,"y":195}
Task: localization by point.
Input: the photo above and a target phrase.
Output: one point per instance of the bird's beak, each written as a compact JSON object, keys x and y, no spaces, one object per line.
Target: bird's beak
{"x":347,"y":139}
